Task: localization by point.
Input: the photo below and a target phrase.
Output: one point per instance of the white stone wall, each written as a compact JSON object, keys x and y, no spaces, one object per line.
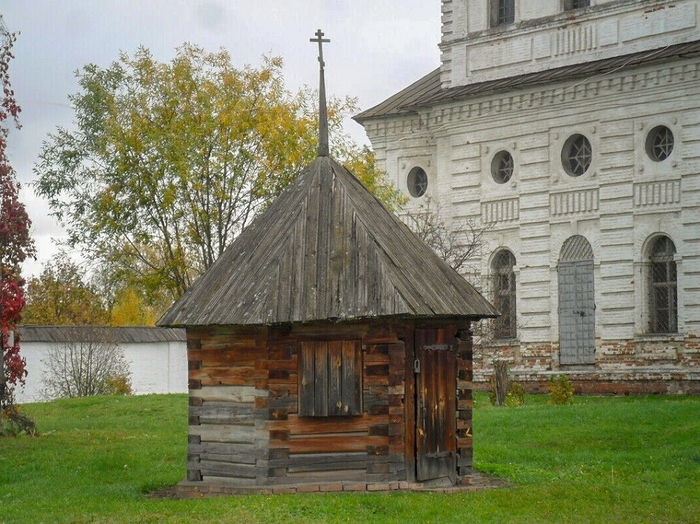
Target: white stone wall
{"x":544,"y":36}
{"x":156,"y":367}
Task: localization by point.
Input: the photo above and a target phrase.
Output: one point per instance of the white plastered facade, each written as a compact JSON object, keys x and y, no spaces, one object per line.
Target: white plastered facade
{"x":624,"y":199}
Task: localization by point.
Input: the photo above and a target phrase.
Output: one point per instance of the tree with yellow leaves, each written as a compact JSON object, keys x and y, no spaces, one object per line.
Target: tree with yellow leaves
{"x":168,"y":162}
{"x":129,"y":309}
{"x":62,"y":296}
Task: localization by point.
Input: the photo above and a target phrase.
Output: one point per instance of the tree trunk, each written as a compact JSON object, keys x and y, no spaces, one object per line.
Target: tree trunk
{"x":501,"y":381}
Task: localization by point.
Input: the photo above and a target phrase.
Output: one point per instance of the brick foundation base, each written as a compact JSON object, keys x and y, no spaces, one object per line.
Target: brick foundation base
{"x":602,"y":383}
{"x":203,"y":489}
{"x":645,"y":365}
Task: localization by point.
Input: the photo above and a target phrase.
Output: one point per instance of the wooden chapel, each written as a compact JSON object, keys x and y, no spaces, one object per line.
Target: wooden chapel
{"x":329,"y":348}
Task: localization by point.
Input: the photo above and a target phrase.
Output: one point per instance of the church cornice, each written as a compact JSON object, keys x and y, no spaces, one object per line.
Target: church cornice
{"x":443,"y":116}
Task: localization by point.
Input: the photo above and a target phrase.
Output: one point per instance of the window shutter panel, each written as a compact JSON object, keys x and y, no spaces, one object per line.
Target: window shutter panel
{"x":321,"y":399}
{"x":330,"y":379}
{"x":306,"y":380}
{"x":352,"y":378}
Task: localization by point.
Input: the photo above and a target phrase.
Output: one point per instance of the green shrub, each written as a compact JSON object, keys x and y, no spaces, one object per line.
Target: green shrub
{"x":515,"y":394}
{"x":560,"y":390}
{"x":119,"y":385}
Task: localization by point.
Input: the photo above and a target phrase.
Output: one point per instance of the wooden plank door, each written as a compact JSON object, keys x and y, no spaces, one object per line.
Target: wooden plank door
{"x":576,"y":312}
{"x":435,"y":369}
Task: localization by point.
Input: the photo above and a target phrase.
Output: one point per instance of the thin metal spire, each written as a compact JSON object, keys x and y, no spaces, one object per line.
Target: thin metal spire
{"x":322,"y":110}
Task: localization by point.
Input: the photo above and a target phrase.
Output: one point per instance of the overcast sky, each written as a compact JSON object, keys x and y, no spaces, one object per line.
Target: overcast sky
{"x":377,"y":47}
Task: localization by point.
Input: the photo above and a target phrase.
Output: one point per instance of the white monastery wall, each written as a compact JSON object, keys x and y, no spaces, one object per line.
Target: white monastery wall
{"x":156,"y":367}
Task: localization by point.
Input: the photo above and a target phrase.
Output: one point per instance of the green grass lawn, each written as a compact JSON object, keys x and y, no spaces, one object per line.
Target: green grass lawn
{"x":599,"y":460}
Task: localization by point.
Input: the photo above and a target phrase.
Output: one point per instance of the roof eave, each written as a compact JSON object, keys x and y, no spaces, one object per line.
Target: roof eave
{"x":470,"y":317}
{"x":686,"y":50}
{"x":402,"y":101}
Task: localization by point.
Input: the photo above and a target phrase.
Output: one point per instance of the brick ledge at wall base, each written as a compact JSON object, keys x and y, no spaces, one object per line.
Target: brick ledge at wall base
{"x":650,"y":381}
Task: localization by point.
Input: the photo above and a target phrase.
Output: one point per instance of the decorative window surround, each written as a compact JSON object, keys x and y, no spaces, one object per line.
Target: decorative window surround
{"x":502,"y":167}
{"x":657,"y":194}
{"x":417,"y":182}
{"x":663,"y":284}
{"x":504,"y":294}
{"x":577,"y":155}
{"x":574,"y":202}
{"x":500,"y":211}
{"x":659,"y":143}
{"x":502,"y":12}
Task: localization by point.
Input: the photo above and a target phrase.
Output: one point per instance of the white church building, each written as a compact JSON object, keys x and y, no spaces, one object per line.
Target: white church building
{"x":569,"y":131}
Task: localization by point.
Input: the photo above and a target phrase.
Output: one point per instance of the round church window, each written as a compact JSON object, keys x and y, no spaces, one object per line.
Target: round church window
{"x":576,"y":155}
{"x":417,"y":182}
{"x":659,"y":144}
{"x":502,"y":167}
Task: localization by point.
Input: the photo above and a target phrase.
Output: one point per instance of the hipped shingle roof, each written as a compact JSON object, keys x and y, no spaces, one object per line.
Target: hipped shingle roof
{"x":326,"y":249}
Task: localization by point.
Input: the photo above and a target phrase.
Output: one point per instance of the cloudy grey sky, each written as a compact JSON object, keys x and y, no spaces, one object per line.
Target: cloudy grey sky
{"x":377,"y":47}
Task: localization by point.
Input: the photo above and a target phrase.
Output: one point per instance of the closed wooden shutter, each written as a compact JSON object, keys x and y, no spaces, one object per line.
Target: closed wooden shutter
{"x":330,"y":375}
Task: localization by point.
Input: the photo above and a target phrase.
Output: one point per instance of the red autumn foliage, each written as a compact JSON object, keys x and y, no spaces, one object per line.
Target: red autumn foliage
{"x":10,"y":307}
{"x":15,"y":242}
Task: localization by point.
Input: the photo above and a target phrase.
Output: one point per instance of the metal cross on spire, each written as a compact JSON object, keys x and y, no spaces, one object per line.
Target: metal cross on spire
{"x":322,"y":111}
{"x":319,"y":38}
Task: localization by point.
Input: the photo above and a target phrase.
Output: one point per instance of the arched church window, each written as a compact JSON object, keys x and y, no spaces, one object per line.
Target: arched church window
{"x":659,"y":144}
{"x":417,"y":182}
{"x":663,"y":299}
{"x":576,"y":295}
{"x":503,"y":275}
{"x":576,"y":155}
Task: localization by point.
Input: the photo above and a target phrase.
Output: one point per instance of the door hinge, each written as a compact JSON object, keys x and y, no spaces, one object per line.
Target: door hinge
{"x":438,"y":347}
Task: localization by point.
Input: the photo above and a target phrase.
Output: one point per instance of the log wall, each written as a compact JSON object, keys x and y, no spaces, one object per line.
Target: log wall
{"x":325,"y":449}
{"x":245,"y":428}
{"x":465,"y":404}
{"x":227,"y":415}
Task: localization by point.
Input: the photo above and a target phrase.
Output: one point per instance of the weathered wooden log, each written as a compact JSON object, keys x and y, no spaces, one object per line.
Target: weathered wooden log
{"x":336,"y":444}
{"x":224,"y":433}
{"x":229,"y":393}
